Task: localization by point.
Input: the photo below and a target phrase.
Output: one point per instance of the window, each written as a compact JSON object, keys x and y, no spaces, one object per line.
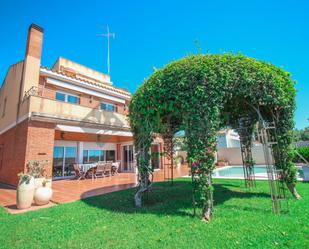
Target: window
{"x":65,"y":97}
{"x":63,"y":161}
{"x":155,"y":156}
{"x":73,"y":99}
{"x":110,"y":155}
{"x":93,"y":156}
{"x":85,"y":156}
{"x":60,"y":96}
{"x":108,"y":107}
{"x":102,"y":158}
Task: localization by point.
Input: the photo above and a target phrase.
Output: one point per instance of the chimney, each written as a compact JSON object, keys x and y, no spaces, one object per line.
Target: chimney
{"x":32,"y":61}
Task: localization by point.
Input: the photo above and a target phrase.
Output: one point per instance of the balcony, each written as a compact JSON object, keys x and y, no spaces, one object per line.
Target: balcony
{"x":42,"y":106}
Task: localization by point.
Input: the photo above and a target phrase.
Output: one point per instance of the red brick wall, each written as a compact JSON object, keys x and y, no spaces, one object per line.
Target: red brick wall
{"x":27,"y":141}
{"x":13,"y":144}
{"x":34,"y":42}
{"x":47,"y":90}
{"x":40,"y":143}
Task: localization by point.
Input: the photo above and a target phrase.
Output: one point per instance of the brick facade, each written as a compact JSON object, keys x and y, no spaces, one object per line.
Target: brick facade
{"x":40,"y":143}
{"x":26,"y":141}
{"x":13,"y":143}
{"x":34,"y":140}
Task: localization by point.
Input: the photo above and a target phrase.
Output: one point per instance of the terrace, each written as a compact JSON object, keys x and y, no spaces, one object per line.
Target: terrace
{"x":69,"y":190}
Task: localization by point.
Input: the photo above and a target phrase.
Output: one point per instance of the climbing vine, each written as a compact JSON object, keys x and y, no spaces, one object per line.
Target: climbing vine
{"x":201,"y":94}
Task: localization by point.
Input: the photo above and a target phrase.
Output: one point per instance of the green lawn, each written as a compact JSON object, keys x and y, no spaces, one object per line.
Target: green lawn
{"x":243,"y":219}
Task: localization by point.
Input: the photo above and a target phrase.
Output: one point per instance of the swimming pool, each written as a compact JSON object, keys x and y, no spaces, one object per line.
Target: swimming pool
{"x":237,"y":172}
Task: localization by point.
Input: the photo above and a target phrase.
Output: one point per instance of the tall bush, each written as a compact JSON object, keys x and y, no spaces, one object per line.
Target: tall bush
{"x":201,"y":94}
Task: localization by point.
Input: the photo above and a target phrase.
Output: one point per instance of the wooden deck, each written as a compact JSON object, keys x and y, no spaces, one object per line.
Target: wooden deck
{"x":65,"y":191}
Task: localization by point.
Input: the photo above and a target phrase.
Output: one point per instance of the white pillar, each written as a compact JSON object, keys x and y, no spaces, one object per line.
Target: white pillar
{"x":80,"y":146}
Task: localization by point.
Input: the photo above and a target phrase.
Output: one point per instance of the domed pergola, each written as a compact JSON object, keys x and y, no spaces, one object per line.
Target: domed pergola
{"x":200,"y":95}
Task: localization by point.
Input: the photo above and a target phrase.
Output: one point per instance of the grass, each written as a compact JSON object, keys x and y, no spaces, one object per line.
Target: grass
{"x":243,"y":219}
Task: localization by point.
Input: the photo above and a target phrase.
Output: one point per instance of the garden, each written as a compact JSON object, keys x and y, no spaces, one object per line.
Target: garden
{"x":242,"y":219}
{"x":198,"y":95}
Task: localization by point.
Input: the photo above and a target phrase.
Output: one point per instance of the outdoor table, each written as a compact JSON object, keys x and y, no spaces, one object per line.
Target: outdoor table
{"x":87,"y":166}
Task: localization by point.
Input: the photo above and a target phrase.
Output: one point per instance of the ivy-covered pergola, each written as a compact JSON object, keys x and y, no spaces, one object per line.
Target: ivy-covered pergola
{"x":199,"y":95}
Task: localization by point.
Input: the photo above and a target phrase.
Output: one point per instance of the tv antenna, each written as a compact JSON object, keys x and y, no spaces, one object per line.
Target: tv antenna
{"x":108,"y":35}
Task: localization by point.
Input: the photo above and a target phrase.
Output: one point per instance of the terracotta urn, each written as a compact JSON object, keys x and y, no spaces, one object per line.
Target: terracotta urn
{"x":25,"y":192}
{"x":42,"y":195}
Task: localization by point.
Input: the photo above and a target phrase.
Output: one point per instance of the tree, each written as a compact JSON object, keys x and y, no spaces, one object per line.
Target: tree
{"x":201,"y":94}
{"x":301,"y":135}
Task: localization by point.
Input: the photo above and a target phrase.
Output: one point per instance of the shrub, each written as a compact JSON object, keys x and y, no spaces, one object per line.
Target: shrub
{"x":303,"y":151}
{"x":179,"y":159}
{"x":37,"y":168}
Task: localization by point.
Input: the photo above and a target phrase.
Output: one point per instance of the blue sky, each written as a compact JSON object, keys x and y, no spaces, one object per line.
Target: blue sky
{"x":152,"y":33}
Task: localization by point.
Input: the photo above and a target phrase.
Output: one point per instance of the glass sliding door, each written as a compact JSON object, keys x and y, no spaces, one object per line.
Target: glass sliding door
{"x":131,"y":157}
{"x":94,"y":156}
{"x":155,"y":156}
{"x":64,"y":158}
{"x":58,"y":161}
{"x":110,"y":155}
{"x":69,"y":160}
{"x":127,"y":158}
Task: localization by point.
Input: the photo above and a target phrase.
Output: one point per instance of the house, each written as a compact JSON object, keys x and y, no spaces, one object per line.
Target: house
{"x":229,"y":148}
{"x":228,"y":138}
{"x":66,"y":114}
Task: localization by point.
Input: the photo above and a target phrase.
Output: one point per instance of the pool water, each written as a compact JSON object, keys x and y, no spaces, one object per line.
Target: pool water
{"x":238,"y":172}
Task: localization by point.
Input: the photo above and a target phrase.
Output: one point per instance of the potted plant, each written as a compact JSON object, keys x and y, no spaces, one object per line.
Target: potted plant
{"x":37,"y":169}
{"x":43,"y":194}
{"x":25,"y":191}
{"x":179,"y":161}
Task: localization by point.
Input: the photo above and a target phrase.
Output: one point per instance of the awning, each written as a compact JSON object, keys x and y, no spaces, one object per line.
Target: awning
{"x":93,"y":131}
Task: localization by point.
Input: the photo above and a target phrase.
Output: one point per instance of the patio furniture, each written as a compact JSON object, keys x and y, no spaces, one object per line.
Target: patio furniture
{"x":79,"y":173}
{"x":108,"y":169}
{"x":100,"y":169}
{"x":92,"y":172}
{"x":86,"y":166}
{"x":115,"y":168}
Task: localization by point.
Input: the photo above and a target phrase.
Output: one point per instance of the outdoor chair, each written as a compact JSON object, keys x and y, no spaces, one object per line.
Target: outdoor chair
{"x":100,"y":169}
{"x":108,"y":169}
{"x":115,"y":168}
{"x":92,"y":173}
{"x":79,"y":174}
